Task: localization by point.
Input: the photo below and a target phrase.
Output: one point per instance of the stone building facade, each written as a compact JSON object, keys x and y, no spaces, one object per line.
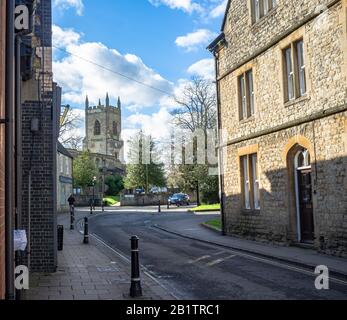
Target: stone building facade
{"x":64,"y":178}
{"x":281,"y":70}
{"x":2,"y":148}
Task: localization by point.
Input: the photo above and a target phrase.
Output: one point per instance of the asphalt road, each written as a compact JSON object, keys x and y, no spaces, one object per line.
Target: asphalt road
{"x":194,"y":270}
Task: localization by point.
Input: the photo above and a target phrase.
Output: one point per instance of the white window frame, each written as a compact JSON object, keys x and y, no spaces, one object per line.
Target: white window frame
{"x":246,"y":95}
{"x":256,"y":183}
{"x":299,"y":45}
{"x":246,"y":182}
{"x":261,"y":8}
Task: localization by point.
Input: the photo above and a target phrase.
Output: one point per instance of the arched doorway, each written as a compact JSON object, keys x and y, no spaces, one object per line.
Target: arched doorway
{"x":303,"y":195}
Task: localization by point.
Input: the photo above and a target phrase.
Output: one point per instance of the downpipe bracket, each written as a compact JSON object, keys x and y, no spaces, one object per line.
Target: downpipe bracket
{"x":3,"y":121}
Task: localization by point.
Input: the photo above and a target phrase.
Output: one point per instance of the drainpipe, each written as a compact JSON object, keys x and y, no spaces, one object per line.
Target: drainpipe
{"x":9,"y":151}
{"x":220,"y":151}
{"x":18,"y":142}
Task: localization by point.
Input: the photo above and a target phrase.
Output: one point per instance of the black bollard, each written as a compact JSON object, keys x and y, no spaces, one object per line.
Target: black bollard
{"x":168,"y":205}
{"x":86,"y":231}
{"x":159,"y":207}
{"x":135,"y":289}
{"x":72,"y":217}
{"x":103,"y":206}
{"x":91,"y":209}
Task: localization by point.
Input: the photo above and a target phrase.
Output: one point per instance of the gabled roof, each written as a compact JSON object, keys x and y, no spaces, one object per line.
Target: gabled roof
{"x":225,"y":15}
{"x":61,"y":149}
{"x":215,"y":43}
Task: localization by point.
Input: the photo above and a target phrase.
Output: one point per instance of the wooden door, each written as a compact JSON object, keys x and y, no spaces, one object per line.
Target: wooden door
{"x":306,"y":205}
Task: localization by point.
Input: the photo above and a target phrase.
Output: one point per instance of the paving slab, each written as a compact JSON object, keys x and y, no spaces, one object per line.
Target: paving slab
{"x":88,"y":272}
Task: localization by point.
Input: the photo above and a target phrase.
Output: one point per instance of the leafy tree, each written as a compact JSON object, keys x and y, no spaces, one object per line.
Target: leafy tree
{"x":115,"y":185}
{"x":84,"y":170}
{"x":144,"y":169}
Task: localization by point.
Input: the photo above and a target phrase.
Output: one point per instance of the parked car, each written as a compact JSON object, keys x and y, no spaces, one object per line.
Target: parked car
{"x":140,"y":191}
{"x":179,"y":199}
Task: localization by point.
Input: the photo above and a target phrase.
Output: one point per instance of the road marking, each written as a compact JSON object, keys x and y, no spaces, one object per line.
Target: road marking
{"x":146,"y":271}
{"x":218,"y":261}
{"x":253,"y":257}
{"x":198,"y":259}
{"x":219,"y":253}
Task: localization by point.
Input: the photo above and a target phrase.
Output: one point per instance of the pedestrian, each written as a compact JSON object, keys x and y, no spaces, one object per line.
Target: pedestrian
{"x":71,"y":201}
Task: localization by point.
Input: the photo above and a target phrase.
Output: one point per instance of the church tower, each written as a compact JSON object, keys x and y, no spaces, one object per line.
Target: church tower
{"x":103,"y":128}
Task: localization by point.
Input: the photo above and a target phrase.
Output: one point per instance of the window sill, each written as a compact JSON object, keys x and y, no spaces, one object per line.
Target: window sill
{"x":296,"y":101}
{"x":245,"y":121}
{"x":256,"y":24}
{"x":250,"y":212}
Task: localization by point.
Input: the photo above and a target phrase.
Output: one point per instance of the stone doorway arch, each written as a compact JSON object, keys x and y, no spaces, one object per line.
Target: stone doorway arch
{"x":300,"y":191}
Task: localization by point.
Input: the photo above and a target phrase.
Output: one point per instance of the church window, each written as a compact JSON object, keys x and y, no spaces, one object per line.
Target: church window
{"x":115,"y":128}
{"x":97,"y":128}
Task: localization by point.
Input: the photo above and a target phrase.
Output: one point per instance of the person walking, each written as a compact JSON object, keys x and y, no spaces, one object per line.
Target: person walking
{"x":71,"y":201}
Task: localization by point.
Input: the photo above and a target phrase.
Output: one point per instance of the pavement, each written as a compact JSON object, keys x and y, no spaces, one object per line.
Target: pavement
{"x":90,"y":272}
{"x":305,"y":257}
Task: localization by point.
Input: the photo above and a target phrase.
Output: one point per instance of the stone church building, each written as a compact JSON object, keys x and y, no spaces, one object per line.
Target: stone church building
{"x":103,"y":138}
{"x":281,"y":69}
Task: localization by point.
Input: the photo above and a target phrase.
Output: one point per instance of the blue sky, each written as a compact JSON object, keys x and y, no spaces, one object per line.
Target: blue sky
{"x":159,"y":42}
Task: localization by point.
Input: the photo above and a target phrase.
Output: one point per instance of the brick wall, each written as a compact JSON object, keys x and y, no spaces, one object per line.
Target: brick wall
{"x":2,"y":150}
{"x":42,"y":208}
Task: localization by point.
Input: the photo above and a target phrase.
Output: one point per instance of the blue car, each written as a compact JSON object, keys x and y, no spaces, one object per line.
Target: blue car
{"x":179,"y":199}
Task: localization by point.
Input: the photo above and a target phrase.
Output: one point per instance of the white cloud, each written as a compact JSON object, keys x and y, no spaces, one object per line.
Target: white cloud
{"x":219,"y":10}
{"x":209,"y":9}
{"x":64,"y":37}
{"x":79,"y":77}
{"x":67,"y":4}
{"x":185,"y":5}
{"x":204,"y":68}
{"x":157,"y":125}
{"x":195,"y":40}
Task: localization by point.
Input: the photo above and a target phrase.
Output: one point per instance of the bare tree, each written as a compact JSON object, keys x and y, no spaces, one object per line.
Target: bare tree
{"x":197,"y":106}
{"x":69,"y":124}
{"x":197,"y":111}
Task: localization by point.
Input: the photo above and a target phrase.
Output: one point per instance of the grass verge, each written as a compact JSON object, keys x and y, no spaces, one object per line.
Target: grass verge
{"x":111,"y":200}
{"x":207,"y":207}
{"x":215,"y":224}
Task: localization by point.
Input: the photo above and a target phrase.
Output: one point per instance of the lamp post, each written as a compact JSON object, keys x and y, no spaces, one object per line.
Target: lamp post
{"x":104,"y":170}
{"x":94,"y":181}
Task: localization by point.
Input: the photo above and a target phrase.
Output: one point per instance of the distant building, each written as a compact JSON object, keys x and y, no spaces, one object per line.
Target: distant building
{"x":103,"y":129}
{"x":64,"y":178}
{"x":282,"y":79}
{"x":103,"y":139}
